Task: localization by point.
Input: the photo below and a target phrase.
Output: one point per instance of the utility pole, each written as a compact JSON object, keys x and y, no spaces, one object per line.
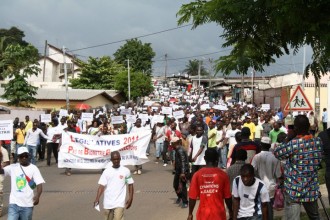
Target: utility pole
{"x":44,"y":70}
{"x":199,"y":76}
{"x":66,"y":81}
{"x":165,"y":69}
{"x":303,"y":70}
{"x":129,"y":81}
{"x":252,"y":87}
{"x":242,"y":88}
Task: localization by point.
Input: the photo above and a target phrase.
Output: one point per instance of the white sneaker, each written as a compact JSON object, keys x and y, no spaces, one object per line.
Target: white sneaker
{"x":139,"y":172}
{"x":135,"y":172}
{"x":165,"y":164}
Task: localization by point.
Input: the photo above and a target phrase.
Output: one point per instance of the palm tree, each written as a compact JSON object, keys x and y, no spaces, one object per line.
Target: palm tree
{"x":192,"y":68}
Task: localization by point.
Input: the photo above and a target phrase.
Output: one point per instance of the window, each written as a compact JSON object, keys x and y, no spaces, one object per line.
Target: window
{"x":69,"y":67}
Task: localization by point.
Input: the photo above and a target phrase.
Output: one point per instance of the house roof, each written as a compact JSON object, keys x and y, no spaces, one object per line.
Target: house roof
{"x":50,"y":59}
{"x":74,"y":94}
{"x":60,"y":51}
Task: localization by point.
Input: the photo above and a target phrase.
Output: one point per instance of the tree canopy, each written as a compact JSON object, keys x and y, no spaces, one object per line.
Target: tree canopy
{"x":192,"y":68}
{"x":140,"y":55}
{"x":258,"y":31}
{"x":20,"y":62}
{"x":97,"y":73}
{"x":141,"y":84}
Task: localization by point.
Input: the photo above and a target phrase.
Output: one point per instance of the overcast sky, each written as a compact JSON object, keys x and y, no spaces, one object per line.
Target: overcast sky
{"x":83,"y":23}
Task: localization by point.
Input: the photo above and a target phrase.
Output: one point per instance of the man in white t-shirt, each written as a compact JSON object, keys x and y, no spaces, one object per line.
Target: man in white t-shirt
{"x":231,"y":141}
{"x":113,"y":183}
{"x":22,"y":197}
{"x":250,"y":196}
{"x":197,"y":150}
{"x":4,"y":162}
{"x":268,"y":168}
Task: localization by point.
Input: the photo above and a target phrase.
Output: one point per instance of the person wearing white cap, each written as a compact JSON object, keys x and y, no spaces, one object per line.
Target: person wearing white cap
{"x":25,"y":177}
{"x":268,"y":168}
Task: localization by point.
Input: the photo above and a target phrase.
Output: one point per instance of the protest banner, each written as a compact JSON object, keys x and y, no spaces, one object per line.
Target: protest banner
{"x":125,"y":111}
{"x":6,"y":129}
{"x":166,"y":110}
{"x":221,"y":107}
{"x":82,"y":151}
{"x":117,"y":119}
{"x":46,"y":118}
{"x":87,"y":116}
{"x":131,"y":118}
{"x":63,"y":113}
{"x":178,"y":114}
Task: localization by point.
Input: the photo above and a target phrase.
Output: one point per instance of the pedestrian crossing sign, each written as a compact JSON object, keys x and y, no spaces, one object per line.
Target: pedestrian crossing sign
{"x":298,"y":101}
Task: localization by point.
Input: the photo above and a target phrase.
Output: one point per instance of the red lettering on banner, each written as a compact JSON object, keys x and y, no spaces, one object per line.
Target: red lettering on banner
{"x":71,"y":138}
{"x":70,"y":149}
{"x":108,"y":152}
{"x":86,"y":151}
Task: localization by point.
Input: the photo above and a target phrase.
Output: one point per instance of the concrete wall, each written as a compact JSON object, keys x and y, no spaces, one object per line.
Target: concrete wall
{"x":21,"y":113}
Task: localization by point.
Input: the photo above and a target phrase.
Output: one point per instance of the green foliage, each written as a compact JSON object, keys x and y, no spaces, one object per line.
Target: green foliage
{"x":20,"y":62}
{"x":139,"y":54}
{"x":19,"y":92}
{"x":14,"y":36}
{"x":260,"y":30}
{"x":141,"y":84}
{"x":192,"y":68}
{"x":97,"y":73}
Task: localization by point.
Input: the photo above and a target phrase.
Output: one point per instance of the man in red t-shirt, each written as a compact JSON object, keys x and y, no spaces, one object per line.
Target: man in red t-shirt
{"x":211,"y":185}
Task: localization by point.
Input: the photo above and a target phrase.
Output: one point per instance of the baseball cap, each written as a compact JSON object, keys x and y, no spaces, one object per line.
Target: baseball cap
{"x":266,"y":140}
{"x":22,"y":150}
{"x":175,"y":139}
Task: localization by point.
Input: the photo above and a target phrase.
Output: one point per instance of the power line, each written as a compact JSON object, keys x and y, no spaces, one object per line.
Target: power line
{"x":141,"y":36}
{"x":200,"y":55}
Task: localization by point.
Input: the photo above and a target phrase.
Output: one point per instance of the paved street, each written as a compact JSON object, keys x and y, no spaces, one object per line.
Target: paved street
{"x":72,"y":197}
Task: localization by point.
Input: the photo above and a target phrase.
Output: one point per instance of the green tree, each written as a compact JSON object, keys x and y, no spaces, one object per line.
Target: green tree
{"x":192,"y":68}
{"x":97,"y":73}
{"x":21,"y":62}
{"x":141,"y":84}
{"x":8,"y":37}
{"x":139,"y":54}
{"x":258,"y":31}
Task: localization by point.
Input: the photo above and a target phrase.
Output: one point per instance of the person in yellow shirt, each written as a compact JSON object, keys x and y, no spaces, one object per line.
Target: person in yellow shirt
{"x":212,"y":135}
{"x":251,"y":126}
{"x":28,"y":123}
{"x":20,"y":137}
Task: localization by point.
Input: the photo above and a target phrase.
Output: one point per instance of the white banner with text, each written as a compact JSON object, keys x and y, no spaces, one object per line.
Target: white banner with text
{"x":84,"y":151}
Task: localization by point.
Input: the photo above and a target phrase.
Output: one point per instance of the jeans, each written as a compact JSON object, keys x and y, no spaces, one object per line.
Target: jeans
{"x":33,"y":153}
{"x":42,"y":149}
{"x":257,"y":217}
{"x":292,"y":209}
{"x":223,"y":153}
{"x":165,"y":147}
{"x":16,"y":212}
{"x":159,"y":148}
{"x":270,"y":209}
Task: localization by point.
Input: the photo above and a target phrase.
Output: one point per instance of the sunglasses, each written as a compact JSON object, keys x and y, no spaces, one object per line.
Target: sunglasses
{"x":26,"y":155}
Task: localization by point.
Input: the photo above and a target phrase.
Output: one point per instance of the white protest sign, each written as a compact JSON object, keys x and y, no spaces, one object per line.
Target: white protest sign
{"x":166,"y":110}
{"x":205,"y":106}
{"x":265,"y":107}
{"x":117,"y":119}
{"x":178,"y":114}
{"x":45,"y":118}
{"x":131,"y":118}
{"x":87,"y":116}
{"x":126,"y":112}
{"x":143,"y":117}
{"x":83,"y":151}
{"x":148,"y":103}
{"x":63,"y":112}
{"x":158,"y":118}
{"x":6,"y":129}
{"x":221,"y":107}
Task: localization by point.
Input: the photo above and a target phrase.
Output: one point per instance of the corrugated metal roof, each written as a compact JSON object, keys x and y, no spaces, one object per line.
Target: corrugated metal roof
{"x":74,"y":94}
